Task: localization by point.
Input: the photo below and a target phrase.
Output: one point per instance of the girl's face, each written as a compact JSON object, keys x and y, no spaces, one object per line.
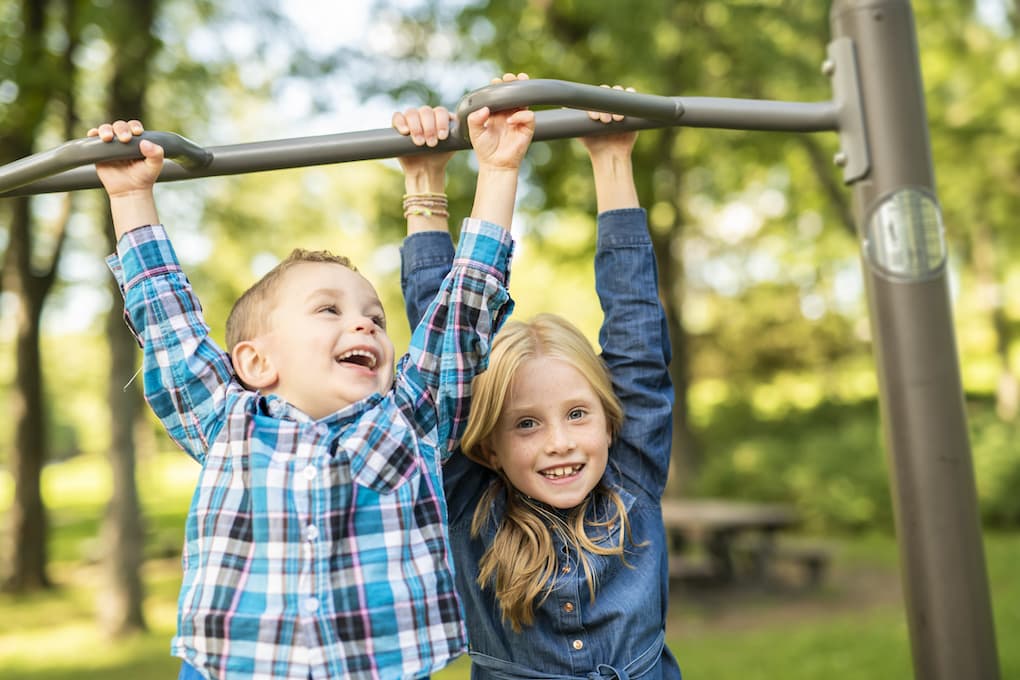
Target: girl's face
{"x":552,"y":438}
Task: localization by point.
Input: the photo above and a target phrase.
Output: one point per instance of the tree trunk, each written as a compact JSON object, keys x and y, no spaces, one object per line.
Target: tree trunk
{"x":28,"y":526}
{"x":123,"y":532}
{"x":123,"y":527}
{"x":25,"y":567}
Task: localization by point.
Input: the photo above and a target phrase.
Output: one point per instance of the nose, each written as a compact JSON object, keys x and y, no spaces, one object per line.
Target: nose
{"x":364,"y":324}
{"x":559,"y":440}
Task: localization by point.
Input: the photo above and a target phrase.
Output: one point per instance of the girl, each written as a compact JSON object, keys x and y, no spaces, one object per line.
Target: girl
{"x":554,"y":501}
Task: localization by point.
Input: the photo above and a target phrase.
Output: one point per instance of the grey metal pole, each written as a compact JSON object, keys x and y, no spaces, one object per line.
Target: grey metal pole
{"x":47,"y":172}
{"x":943,"y":566}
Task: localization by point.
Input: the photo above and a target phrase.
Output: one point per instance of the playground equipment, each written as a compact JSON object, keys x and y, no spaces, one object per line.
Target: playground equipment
{"x":878,"y":111}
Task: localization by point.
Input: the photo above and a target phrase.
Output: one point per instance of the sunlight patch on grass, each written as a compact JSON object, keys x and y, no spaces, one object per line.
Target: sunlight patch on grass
{"x":76,"y":640}
{"x":34,"y":627}
{"x":872,"y":645}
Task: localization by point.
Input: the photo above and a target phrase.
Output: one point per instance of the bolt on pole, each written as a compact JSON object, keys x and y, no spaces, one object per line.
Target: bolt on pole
{"x":943,"y":570}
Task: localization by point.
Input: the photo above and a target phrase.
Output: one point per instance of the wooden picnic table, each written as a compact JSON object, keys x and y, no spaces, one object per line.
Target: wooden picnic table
{"x":717,"y":528}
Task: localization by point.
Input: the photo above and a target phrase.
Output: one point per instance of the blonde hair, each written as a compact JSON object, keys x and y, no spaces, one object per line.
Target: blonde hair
{"x":247,"y":318}
{"x":521,"y":562}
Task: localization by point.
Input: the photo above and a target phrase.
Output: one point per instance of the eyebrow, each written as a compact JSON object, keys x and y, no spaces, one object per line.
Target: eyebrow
{"x":331,"y":292}
{"x":574,"y":401}
{"x":341,"y":293}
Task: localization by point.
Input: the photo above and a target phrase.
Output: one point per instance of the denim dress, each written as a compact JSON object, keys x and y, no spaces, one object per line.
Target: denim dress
{"x":620,"y":634}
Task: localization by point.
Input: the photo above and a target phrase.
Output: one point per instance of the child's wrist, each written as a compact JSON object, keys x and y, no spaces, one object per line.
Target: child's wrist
{"x":499,"y":170}
{"x":610,"y":157}
{"x":425,"y":180}
{"x":131,"y":195}
{"x":133,"y":209}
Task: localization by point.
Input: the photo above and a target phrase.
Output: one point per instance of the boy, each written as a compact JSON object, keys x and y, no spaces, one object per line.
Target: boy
{"x":316,"y":542}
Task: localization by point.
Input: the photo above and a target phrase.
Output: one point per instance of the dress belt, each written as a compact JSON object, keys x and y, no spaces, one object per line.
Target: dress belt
{"x":498,"y":669}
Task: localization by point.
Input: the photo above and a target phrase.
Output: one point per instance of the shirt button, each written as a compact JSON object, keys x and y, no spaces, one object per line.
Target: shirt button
{"x":578,"y":645}
{"x":566,"y":569}
{"x":312,"y":604}
{"x":310,"y":472}
{"x":311,"y":532}
{"x":568,"y":607}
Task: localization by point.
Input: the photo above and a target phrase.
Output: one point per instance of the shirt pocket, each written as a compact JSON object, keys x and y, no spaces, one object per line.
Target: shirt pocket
{"x":383,"y":456}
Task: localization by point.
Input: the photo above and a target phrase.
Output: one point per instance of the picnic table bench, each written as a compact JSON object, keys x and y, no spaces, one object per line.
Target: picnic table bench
{"x":709,"y":538}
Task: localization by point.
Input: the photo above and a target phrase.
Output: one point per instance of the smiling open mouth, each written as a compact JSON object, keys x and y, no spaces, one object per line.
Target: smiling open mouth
{"x":561,"y":471}
{"x":359,"y":357}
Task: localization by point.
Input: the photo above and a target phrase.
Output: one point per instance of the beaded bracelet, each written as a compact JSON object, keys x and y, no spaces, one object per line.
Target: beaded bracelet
{"x":427,"y":204}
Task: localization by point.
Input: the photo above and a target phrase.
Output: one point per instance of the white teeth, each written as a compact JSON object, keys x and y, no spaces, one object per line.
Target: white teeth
{"x":359,"y":353}
{"x":556,"y":473}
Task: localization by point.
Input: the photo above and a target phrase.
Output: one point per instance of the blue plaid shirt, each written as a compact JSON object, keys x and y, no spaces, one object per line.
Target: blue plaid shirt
{"x":315,"y":548}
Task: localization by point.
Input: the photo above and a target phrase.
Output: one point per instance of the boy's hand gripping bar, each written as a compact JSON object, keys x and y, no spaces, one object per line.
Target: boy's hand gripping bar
{"x":90,"y":150}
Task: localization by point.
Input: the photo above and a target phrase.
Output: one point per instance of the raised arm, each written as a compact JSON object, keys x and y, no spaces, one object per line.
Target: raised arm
{"x":472,"y":300}
{"x":635,"y":345}
{"x":129,"y":183}
{"x":500,"y":140}
{"x":634,"y":336}
{"x":611,"y":164}
{"x":183,"y":370}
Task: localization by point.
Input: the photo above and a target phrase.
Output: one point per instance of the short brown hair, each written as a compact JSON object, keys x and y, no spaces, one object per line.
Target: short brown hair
{"x":247,"y":317}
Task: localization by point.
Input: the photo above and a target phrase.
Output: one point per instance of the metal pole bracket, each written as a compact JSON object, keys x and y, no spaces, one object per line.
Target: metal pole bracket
{"x":841,"y":67}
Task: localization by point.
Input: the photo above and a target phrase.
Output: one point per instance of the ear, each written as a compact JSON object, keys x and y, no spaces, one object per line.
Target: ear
{"x":253,"y":366}
{"x":488,"y":454}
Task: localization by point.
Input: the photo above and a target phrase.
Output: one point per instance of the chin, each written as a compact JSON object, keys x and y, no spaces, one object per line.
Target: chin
{"x":566,"y":503}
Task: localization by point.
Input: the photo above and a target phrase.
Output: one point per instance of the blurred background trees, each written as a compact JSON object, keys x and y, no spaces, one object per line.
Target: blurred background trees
{"x":759,"y":262}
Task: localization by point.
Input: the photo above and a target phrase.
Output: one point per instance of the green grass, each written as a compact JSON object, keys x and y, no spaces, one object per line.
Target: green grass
{"x":835,"y":632}
{"x":847,"y":642}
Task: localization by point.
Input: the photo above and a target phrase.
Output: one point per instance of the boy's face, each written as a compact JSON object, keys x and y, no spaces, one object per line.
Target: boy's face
{"x":327,"y":339}
{"x":552,"y":437}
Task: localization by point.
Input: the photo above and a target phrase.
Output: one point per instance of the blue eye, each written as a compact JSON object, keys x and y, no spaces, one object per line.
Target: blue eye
{"x":576,"y":414}
{"x":526,"y":424}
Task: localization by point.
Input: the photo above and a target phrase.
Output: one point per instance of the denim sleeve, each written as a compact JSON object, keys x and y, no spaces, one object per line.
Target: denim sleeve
{"x":450,"y":345}
{"x":635,"y":345}
{"x":425,"y":260}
